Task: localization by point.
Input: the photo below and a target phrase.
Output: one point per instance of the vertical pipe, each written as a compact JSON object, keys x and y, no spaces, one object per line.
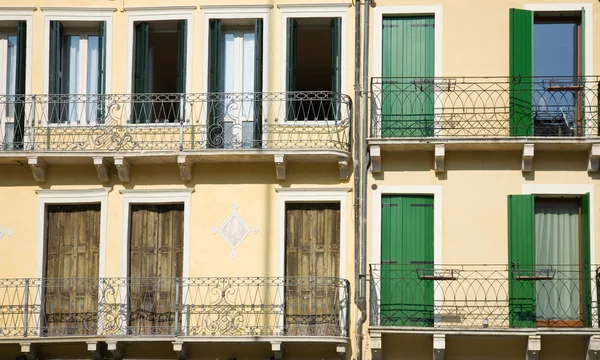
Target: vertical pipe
{"x":26,"y":309}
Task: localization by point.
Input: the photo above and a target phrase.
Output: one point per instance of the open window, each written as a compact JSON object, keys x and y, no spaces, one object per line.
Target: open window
{"x":77,"y":72}
{"x":547,"y":70}
{"x":235,"y":83}
{"x":159,"y":71}
{"x":12,"y":83}
{"x":313,"y":79}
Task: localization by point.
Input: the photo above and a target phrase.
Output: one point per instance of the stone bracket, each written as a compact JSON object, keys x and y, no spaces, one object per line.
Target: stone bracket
{"x":439,"y":157}
{"x":29,"y":350}
{"x":180,"y":349}
{"x":527,"y":158}
{"x":439,"y":346}
{"x":101,"y":165}
{"x":341,"y":351}
{"x":594,"y":158}
{"x":123,"y":168}
{"x":38,"y":167}
{"x":280,"y":164}
{"x":375,"y":344}
{"x":375,"y":153}
{"x":277,"y":348}
{"x":593,"y":351}
{"x":185,"y":167}
{"x":534,"y":346}
{"x":344,"y":170}
{"x":98,"y":349}
{"x":116,"y":349}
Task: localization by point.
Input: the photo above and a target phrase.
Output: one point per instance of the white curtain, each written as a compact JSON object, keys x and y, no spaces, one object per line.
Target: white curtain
{"x":92,"y":79}
{"x":11,"y":71}
{"x":557,"y":246}
{"x":73,"y":73}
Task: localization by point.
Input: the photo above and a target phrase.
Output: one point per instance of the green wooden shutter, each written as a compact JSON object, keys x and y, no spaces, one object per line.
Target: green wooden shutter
{"x":521,"y":72}
{"x":181,"y":67}
{"x":406,"y":239}
{"x":215,"y":113}
{"x":581,"y":130}
{"x":336,"y":67}
{"x":101,"y":113}
{"x":521,"y":258}
{"x":258,"y":83}
{"x":55,"y":83}
{"x":142,"y":104}
{"x":291,"y":69}
{"x":19,"y":130}
{"x":586,"y":228}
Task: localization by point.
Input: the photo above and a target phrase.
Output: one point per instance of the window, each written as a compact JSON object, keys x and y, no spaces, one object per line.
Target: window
{"x":547,"y":68}
{"x":159,"y":70}
{"x":235,"y":83}
{"x":549,"y":252}
{"x":12,"y":83}
{"x":77,"y":72}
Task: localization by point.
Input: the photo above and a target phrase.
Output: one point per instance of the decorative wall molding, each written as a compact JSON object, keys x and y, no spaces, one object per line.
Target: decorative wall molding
{"x":5,"y":232}
{"x":234,"y":230}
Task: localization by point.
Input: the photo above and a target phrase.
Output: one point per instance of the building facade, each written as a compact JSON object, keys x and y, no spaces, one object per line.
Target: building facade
{"x":313,"y":179}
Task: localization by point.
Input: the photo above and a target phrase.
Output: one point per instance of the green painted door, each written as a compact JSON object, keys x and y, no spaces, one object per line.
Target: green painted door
{"x":406,"y":255}
{"x":408,"y":94}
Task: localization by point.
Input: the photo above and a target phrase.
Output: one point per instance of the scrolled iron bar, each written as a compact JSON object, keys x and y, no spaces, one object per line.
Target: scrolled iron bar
{"x":483,"y":296}
{"x":249,"y":306}
{"x":176,"y":122}
{"x":484,"y":107}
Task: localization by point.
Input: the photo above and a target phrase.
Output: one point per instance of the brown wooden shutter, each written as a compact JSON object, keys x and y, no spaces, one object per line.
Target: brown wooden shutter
{"x":72,"y":252}
{"x":156,"y":260}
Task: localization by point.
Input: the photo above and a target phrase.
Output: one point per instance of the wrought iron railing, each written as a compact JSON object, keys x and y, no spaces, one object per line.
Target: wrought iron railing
{"x":282,"y":306}
{"x":184,"y":122}
{"x":483,"y":296}
{"x":484,"y":107}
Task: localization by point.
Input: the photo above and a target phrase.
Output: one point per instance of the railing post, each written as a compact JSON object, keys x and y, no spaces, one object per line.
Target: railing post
{"x":33,"y":106}
{"x":181,"y":120}
{"x":177,"y":280}
{"x":26,"y":309}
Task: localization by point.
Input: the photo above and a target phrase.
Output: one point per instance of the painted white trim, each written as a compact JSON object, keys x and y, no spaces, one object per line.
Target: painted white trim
{"x":157,"y":14}
{"x":589,"y":26}
{"x":234,"y":12}
{"x":23,"y":14}
{"x":78,"y":14}
{"x":313,"y":11}
{"x":436,"y":191}
{"x":381,"y":11}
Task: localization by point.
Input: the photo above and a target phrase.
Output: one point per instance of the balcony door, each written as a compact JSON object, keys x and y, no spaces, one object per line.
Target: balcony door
{"x":406,"y":257}
{"x":312,"y":262}
{"x":71,"y":282}
{"x":408,"y":70}
{"x":155,"y":264}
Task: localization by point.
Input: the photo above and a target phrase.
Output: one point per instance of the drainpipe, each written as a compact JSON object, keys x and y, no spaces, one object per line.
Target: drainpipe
{"x":357,"y":171}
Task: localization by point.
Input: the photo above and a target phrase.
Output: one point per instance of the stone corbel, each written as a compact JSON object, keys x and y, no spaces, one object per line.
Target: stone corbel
{"x":527,"y":158}
{"x":29,"y":350}
{"x":280,"y":164}
{"x":277,"y":348}
{"x":123,"y":168}
{"x":593,"y":351}
{"x":341,"y":352}
{"x":534,"y":346}
{"x":594,"y":158}
{"x":180,"y":349}
{"x":344,"y":170}
{"x":375,"y":153}
{"x":116,"y":349}
{"x":185,"y":167}
{"x":98,"y":349}
{"x":439,"y":346}
{"x":38,"y":167}
{"x":376,"y":346}
{"x":101,"y":165}
{"x":439,"y":157}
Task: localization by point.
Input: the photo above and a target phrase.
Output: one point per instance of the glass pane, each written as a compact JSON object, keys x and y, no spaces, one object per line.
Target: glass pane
{"x":9,"y":129}
{"x":247,"y":133}
{"x":73,"y":75}
{"x":228,"y":139}
{"x":92,"y":79}
{"x":229,"y":63}
{"x":11,"y":73}
{"x":248,"y":73}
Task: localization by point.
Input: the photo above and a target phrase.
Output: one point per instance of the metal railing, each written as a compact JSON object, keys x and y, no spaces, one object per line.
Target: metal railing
{"x":483,"y":296}
{"x":250,"y":306}
{"x":484,"y":107}
{"x":176,"y":122}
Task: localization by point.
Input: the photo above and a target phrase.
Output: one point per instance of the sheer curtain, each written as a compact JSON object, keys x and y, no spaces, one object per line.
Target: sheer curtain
{"x":92,"y":79}
{"x":73,"y":73}
{"x":557,"y":246}
{"x":11,"y":72}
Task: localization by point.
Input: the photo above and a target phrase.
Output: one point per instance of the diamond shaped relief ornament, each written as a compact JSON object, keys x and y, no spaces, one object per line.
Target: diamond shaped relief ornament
{"x":5,"y":232}
{"x":234,"y":230}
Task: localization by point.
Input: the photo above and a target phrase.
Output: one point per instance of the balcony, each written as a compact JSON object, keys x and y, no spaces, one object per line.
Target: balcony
{"x":483,"y":299}
{"x":202,"y":309}
{"x":484,"y":113}
{"x":230,"y":126}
